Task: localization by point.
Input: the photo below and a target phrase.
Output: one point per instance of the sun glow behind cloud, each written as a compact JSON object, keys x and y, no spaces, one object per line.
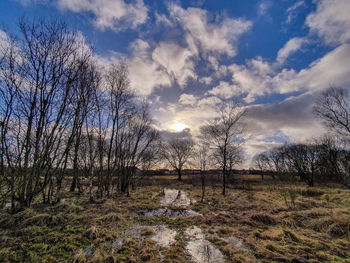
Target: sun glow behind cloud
{"x":179,"y":126}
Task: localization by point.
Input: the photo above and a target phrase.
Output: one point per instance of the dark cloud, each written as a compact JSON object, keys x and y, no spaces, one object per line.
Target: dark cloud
{"x":294,"y":111}
{"x":168,"y":135}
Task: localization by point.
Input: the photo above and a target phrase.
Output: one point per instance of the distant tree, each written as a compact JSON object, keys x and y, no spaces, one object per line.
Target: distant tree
{"x":177,"y":153}
{"x":329,"y":157}
{"x":304,"y":161}
{"x":223,"y":135}
{"x":261,"y":162}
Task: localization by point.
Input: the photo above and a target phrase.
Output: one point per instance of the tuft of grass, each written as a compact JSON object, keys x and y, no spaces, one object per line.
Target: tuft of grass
{"x":44,"y":220}
{"x":147,"y":232}
{"x":80,"y":257}
{"x":271,"y":247}
{"x":311,"y":192}
{"x":174,"y":254}
{"x":290,"y":235}
{"x":109,"y":218}
{"x":92,"y":233}
{"x":224,"y":231}
{"x":263,"y":218}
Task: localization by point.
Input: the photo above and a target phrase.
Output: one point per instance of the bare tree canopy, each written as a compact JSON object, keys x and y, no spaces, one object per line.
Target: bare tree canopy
{"x":333,"y":107}
{"x":43,"y":75}
{"x":223,"y":134}
{"x":60,"y":115}
{"x":177,"y":152}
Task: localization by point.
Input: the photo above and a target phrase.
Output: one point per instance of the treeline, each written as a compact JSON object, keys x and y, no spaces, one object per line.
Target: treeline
{"x":59,"y":112}
{"x":320,"y":161}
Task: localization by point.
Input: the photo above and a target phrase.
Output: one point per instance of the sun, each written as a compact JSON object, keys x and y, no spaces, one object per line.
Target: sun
{"x":179,"y":126}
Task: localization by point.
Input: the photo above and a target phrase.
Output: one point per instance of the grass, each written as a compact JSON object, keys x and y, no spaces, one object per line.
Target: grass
{"x":276,"y":223}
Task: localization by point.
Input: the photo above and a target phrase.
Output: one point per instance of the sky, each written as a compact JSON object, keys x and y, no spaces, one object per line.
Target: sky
{"x":186,"y":57}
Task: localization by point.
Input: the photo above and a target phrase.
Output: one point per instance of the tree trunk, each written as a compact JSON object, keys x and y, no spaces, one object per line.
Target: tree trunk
{"x":203,"y":186}
{"x":179,"y":178}
{"x":224,"y":182}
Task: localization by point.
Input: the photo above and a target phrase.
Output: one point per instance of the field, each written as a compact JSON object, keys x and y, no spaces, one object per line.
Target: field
{"x":257,"y":221}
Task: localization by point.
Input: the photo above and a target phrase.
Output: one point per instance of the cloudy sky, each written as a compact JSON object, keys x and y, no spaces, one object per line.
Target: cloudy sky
{"x":185,"y":57}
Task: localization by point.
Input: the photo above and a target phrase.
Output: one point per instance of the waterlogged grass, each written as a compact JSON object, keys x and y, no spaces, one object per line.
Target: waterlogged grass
{"x":257,"y":221}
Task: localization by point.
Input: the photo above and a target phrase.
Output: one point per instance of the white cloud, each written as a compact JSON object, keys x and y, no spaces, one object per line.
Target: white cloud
{"x":258,"y":78}
{"x":263,"y":7}
{"x":175,"y":60}
{"x":291,"y":11}
{"x":331,"y":21}
{"x":156,"y":67}
{"x":114,"y":14}
{"x":163,"y":19}
{"x":206,"y":80}
{"x":220,"y":36}
{"x":145,"y":74}
{"x":225,"y":90}
{"x":332,"y":69}
{"x":192,"y":110}
{"x":289,"y":48}
{"x":4,"y":41}
{"x":252,"y":79}
{"x":187,"y":99}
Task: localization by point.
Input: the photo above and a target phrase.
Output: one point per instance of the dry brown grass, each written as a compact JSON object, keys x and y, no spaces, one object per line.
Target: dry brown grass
{"x":314,"y":229}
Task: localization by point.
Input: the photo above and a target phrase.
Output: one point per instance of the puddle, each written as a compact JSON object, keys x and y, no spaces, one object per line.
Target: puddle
{"x":173,"y":197}
{"x":236,"y":243}
{"x":166,"y":212}
{"x":164,"y":236}
{"x":200,"y":249}
{"x":194,"y":233}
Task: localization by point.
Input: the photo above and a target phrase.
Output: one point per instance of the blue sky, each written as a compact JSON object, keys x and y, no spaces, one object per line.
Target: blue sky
{"x":185,"y":57}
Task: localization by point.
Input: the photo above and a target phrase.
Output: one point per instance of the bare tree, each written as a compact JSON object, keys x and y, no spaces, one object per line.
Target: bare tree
{"x":203,"y":154}
{"x":261,"y":162}
{"x":120,"y":112}
{"x":38,"y":70}
{"x":139,"y":138}
{"x":223,"y":134}
{"x":87,"y":81}
{"x":333,"y":107}
{"x":177,"y":153}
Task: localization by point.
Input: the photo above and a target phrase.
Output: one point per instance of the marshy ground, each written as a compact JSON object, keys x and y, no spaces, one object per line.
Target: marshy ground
{"x":257,"y":221}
